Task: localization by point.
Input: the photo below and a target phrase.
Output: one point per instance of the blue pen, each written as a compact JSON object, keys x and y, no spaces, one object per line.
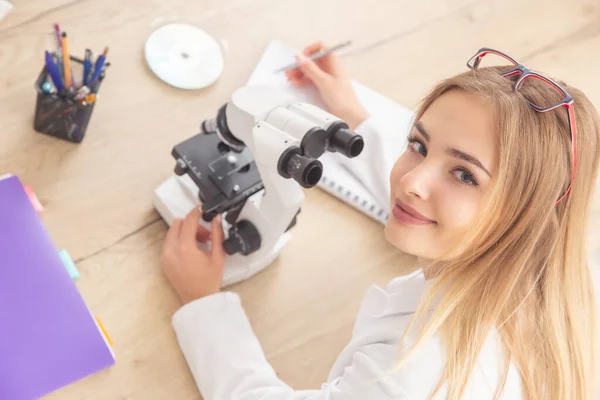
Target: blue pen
{"x":87,"y":66}
{"x":54,"y":73}
{"x":98,"y":66}
{"x":59,"y":63}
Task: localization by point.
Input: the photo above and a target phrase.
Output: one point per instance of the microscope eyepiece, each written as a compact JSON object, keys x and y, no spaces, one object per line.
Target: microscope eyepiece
{"x":304,"y":170}
{"x":309,"y":170}
{"x":344,"y":141}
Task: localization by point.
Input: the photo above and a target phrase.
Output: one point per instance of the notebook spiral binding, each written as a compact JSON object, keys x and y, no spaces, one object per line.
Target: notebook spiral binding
{"x":339,"y":191}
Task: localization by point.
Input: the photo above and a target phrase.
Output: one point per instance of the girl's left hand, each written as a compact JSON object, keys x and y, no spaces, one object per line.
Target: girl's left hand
{"x":192,"y":272}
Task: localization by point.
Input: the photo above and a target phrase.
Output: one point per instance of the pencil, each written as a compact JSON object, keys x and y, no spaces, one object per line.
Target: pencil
{"x":66,"y":60}
{"x":317,"y":55}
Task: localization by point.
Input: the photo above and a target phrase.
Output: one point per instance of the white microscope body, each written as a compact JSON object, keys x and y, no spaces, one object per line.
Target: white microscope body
{"x":264,"y":145}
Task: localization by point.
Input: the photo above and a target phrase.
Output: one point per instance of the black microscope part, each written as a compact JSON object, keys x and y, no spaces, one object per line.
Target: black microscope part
{"x":314,"y":142}
{"x":344,"y":141}
{"x":225,"y":178}
{"x":304,"y":170}
{"x":234,"y":213}
{"x":243,"y":238}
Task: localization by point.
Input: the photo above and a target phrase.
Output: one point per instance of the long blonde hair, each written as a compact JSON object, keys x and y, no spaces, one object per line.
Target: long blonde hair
{"x":521,"y":268}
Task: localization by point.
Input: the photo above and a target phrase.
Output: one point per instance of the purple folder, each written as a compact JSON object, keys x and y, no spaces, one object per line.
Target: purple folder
{"x":48,"y":337}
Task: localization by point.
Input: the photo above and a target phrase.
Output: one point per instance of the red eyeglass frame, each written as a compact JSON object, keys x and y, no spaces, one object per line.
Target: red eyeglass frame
{"x":525,"y":72}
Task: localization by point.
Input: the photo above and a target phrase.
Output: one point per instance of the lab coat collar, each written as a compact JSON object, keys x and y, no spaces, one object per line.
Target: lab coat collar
{"x":401,"y":295}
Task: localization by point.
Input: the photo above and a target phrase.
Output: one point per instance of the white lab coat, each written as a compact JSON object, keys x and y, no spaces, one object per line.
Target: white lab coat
{"x":227,"y":361}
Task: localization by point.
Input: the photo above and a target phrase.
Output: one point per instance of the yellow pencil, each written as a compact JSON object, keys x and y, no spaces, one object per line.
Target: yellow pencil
{"x":66,"y":61}
{"x":104,"y":332}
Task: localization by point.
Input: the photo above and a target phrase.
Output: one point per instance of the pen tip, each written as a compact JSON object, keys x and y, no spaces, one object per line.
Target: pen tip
{"x":64,"y":34}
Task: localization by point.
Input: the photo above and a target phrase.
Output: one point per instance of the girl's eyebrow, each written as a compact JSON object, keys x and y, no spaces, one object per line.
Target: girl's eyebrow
{"x":454,"y":152}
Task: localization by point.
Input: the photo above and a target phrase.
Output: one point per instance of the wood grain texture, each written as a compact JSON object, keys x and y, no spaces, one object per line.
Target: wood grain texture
{"x":97,"y":194}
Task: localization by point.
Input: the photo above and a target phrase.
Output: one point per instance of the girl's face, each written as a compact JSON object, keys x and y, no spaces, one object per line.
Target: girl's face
{"x":438,"y":183}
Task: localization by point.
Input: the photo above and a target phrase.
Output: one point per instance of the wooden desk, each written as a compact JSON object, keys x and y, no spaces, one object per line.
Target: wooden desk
{"x":97,"y":194}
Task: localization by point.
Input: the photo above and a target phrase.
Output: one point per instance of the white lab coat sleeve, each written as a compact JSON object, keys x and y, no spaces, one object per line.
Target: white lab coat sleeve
{"x":384,"y":143}
{"x":228,"y":363}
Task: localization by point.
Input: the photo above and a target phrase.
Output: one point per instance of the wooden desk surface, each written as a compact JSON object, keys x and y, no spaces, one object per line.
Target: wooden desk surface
{"x":97,"y":195}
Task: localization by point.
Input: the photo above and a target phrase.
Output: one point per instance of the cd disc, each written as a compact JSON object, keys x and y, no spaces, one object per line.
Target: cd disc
{"x":184,"y":56}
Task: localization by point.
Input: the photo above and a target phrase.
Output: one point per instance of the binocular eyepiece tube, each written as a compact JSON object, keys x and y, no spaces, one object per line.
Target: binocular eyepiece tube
{"x":310,"y":125}
{"x":346,"y":142}
{"x":305,"y":170}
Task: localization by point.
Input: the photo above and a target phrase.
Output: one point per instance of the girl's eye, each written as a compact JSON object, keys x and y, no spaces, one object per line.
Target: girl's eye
{"x":417,"y":146}
{"x":465,"y":177}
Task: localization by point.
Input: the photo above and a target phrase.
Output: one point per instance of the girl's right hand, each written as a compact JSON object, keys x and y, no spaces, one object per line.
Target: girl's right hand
{"x":333,"y":83}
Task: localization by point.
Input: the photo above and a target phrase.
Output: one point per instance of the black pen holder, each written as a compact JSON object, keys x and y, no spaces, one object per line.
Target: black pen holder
{"x":59,"y":114}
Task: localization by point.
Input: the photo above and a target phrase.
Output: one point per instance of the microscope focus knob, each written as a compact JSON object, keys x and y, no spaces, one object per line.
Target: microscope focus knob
{"x":243,"y":238}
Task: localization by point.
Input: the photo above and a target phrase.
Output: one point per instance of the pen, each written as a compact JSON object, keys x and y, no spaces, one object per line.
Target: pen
{"x":58,"y":36}
{"x":87,"y":66}
{"x":66,"y":60}
{"x":59,"y":63}
{"x":53,"y":72}
{"x":317,"y":55}
{"x":98,"y":66}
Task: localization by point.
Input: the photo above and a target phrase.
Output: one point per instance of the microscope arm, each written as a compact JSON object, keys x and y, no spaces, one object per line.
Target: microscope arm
{"x":274,"y":212}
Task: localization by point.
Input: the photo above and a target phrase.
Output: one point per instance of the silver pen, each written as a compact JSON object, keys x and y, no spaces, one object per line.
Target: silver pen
{"x":317,"y":55}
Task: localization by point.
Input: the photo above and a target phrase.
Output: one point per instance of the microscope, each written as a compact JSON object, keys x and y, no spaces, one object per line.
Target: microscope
{"x":250,"y":164}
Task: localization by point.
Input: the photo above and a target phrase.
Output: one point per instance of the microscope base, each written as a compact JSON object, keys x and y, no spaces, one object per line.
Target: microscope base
{"x":176,"y":196}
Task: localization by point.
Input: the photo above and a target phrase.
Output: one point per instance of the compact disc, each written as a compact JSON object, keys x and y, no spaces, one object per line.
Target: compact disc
{"x":184,"y":56}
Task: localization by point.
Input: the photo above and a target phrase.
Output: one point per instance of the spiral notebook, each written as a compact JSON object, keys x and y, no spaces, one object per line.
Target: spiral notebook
{"x":337,"y":180}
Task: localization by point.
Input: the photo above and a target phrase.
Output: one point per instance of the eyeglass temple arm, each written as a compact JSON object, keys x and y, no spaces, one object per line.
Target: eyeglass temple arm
{"x":573,"y":129}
